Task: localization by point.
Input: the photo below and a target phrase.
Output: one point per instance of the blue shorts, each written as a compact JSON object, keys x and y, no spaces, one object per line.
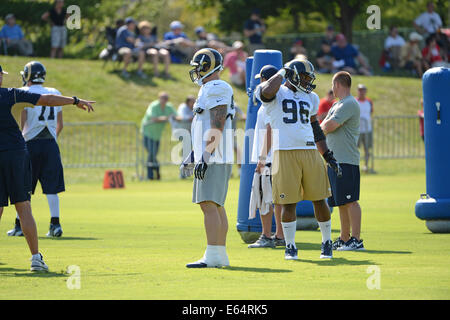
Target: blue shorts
{"x":46,"y":166}
{"x":345,"y":189}
{"x":15,"y":177}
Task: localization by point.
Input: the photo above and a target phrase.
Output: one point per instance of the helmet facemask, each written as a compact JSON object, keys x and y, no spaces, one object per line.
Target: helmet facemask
{"x":303,"y":81}
{"x":201,"y":67}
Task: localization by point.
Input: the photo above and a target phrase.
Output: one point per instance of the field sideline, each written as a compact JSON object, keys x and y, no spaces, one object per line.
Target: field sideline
{"x":134,"y":244}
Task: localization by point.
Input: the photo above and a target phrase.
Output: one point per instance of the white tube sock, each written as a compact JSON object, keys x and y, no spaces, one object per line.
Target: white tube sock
{"x":325,"y":228}
{"x":53,"y":204}
{"x":289,"y":229}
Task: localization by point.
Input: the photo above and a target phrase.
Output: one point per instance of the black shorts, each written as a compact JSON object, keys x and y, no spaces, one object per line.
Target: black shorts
{"x":15,"y":177}
{"x":46,"y":166}
{"x":345,"y":189}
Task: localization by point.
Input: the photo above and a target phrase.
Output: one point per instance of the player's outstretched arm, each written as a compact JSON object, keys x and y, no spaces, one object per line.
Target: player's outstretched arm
{"x":52,"y":100}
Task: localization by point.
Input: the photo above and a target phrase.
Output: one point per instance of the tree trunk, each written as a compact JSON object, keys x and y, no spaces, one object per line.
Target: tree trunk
{"x":295,"y":19}
{"x":348,"y":14}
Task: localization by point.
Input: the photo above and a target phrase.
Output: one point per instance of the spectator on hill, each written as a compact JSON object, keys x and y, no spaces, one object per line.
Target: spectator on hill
{"x":428,"y":22}
{"x":393,"y":45}
{"x":235,"y":61}
{"x":298,"y":49}
{"x":209,"y":40}
{"x":13,"y":38}
{"x":125,"y":45}
{"x":148,"y":42}
{"x":330,"y":36}
{"x":254,"y":29}
{"x":365,"y":124}
{"x":325,"y":105}
{"x":325,"y":58}
{"x":180,"y":47}
{"x":157,"y":115}
{"x":432,"y":54}
{"x":411,"y":56}
{"x":57,"y":16}
{"x":421,"y":120}
{"x":185,"y":113}
{"x":345,"y":54}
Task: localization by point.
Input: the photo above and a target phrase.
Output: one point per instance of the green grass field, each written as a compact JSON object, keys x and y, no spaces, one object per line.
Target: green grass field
{"x":134,"y":244}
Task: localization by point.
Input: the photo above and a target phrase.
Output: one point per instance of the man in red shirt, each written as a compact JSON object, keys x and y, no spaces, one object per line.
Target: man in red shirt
{"x":235,"y":61}
{"x":325,"y":105}
{"x":432,"y":54}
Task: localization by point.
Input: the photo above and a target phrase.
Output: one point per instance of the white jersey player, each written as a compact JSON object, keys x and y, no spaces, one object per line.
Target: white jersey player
{"x":212,"y":157}
{"x":298,"y":171}
{"x":41,"y":126}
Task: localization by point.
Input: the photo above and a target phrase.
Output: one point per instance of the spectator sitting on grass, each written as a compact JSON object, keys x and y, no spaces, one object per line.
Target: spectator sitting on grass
{"x":180,"y":47}
{"x":432,"y":54}
{"x":13,"y":37}
{"x":393,"y":45}
{"x":235,"y":61}
{"x":330,"y":36}
{"x":297,"y":48}
{"x":125,"y":44}
{"x":148,"y":42}
{"x":325,"y":58}
{"x":410,"y":55}
{"x":345,"y":55}
{"x":209,"y":40}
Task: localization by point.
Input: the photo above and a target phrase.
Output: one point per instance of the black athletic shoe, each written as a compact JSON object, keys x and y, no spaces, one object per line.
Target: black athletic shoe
{"x":197,"y":264}
{"x":327,"y":250}
{"x":352,"y":245}
{"x":291,"y":253}
{"x":15,"y":232}
{"x":338,"y":243}
{"x":55,"y":230}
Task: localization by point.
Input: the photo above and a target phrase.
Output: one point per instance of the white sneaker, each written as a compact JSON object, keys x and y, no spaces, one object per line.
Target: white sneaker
{"x":38,"y":264}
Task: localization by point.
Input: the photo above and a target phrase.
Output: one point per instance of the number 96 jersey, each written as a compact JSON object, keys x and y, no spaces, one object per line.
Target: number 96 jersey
{"x":40,"y":117}
{"x":289,"y":115}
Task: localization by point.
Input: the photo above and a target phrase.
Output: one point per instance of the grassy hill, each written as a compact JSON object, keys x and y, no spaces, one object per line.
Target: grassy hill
{"x":119,"y":99}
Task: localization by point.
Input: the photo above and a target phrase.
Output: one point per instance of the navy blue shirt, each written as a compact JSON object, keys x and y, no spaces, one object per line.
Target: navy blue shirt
{"x":10,"y":135}
{"x":348,"y":54}
{"x":252,"y":25}
{"x":121,"y":38}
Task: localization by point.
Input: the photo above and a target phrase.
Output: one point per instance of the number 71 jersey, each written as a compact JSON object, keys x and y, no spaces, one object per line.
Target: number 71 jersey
{"x":289,"y":115}
{"x":40,"y":117}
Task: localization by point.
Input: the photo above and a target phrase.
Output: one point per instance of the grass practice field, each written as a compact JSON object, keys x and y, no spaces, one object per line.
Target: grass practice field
{"x":134,"y":244}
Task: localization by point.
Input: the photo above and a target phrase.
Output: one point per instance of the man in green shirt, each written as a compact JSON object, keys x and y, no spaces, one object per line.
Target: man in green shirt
{"x":341,"y":127}
{"x":152,"y":126}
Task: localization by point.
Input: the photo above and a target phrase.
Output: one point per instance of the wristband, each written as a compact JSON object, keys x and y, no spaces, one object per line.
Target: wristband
{"x":282,"y":73}
{"x":76,"y":101}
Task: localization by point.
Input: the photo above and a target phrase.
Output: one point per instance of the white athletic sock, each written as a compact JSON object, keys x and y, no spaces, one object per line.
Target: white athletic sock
{"x":289,"y":229}
{"x":212,"y":254}
{"x":53,"y":203}
{"x":223,"y":256}
{"x":325,"y":228}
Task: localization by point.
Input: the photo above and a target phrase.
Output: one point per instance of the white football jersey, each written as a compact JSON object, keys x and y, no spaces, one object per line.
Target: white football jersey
{"x":212,"y":94}
{"x":260,"y":132}
{"x":289,"y":115}
{"x":40,"y":117}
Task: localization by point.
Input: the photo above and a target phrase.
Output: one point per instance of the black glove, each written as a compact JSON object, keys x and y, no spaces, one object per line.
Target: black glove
{"x":202,"y":166}
{"x":289,"y":73}
{"x":329,"y":158}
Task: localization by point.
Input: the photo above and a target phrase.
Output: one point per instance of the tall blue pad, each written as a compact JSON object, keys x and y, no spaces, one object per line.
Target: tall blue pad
{"x":435,"y":205}
{"x":253,"y":67}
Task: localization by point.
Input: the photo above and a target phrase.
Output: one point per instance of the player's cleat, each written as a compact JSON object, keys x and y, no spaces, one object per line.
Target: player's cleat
{"x":278,"y":242}
{"x":291,"y":253}
{"x":352,"y":245}
{"x":16,"y":232}
{"x":203,"y":264}
{"x":327,"y":250}
{"x":338,"y":243}
{"x":38,"y":264}
{"x":55,"y":230}
{"x":263,"y":242}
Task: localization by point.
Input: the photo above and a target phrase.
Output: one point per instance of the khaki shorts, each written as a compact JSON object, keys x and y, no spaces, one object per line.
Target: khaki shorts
{"x":299,"y":175}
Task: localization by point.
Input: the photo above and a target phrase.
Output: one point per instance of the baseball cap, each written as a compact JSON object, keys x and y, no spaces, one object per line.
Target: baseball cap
{"x":176,"y":25}
{"x":3,"y":72}
{"x":199,"y":30}
{"x":9,"y":16}
{"x":267,"y":72}
{"x":238,"y":44}
{"x":130,"y":20}
{"x":361,"y":86}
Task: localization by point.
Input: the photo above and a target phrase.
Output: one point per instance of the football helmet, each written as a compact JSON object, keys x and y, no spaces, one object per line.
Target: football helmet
{"x":205,"y":62}
{"x":303,"y":76}
{"x":33,"y":71}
